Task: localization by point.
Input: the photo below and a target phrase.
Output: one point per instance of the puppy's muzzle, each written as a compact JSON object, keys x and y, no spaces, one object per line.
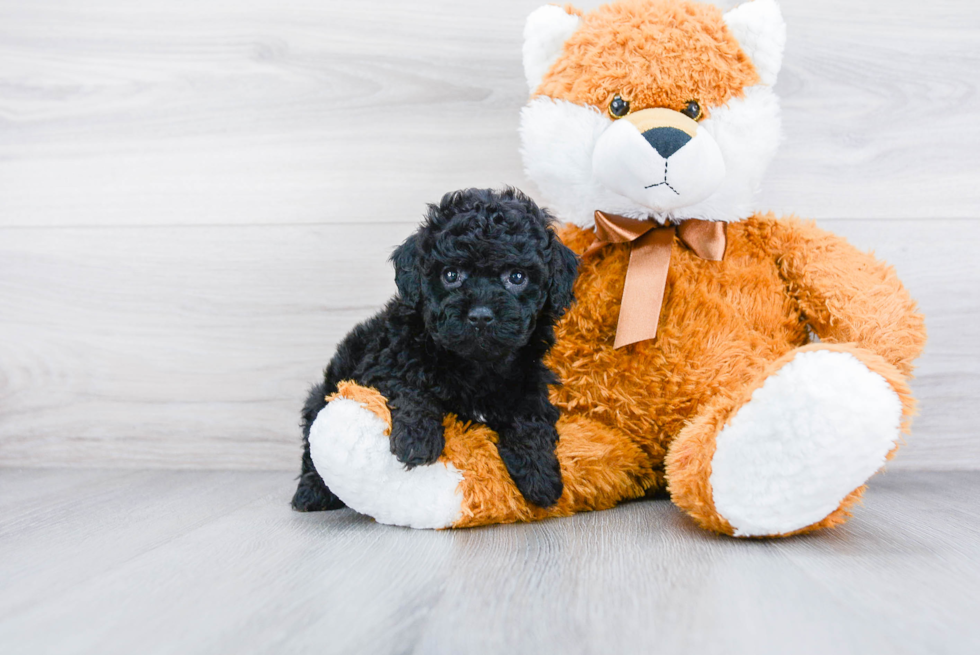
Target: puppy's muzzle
{"x":659,"y":158}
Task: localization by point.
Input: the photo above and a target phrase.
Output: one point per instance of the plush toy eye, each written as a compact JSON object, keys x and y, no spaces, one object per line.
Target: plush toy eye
{"x":692,"y":110}
{"x":515,"y":279}
{"x":452,"y":277}
{"x":619,"y":107}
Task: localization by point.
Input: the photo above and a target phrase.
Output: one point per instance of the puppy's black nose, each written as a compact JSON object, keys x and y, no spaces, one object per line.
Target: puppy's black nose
{"x":480,"y":316}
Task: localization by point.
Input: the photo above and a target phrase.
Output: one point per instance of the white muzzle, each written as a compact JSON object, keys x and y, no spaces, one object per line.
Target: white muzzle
{"x":658,"y":158}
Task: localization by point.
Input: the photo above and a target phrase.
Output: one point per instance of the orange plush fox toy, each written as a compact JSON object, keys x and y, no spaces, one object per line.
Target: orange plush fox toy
{"x":689,"y":361}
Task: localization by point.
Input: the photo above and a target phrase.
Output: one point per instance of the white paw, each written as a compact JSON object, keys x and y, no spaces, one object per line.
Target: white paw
{"x":814,"y":432}
{"x":350,"y":452}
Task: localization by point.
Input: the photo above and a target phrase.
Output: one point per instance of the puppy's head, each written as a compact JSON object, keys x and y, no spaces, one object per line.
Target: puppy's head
{"x":485,"y":271}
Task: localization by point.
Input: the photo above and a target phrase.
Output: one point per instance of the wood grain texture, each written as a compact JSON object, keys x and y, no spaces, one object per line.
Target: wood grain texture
{"x":176,"y":346}
{"x":215,"y":562}
{"x":194,"y":347}
{"x":300,"y":112}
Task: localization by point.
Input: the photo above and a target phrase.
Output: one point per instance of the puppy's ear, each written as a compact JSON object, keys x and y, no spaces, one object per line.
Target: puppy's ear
{"x":563,"y":272}
{"x":408,"y":275}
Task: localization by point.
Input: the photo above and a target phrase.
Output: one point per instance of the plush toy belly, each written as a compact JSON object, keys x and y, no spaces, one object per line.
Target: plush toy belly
{"x":720,"y":324}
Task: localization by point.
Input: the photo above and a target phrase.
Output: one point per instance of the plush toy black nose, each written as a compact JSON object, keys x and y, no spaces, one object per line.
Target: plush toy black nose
{"x":480,"y":316}
{"x":666,"y":140}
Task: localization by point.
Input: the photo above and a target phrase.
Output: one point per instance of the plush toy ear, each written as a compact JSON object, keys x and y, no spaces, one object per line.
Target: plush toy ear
{"x":760,"y":30}
{"x":545,"y":33}
{"x":563,"y":271}
{"x":408,"y":277}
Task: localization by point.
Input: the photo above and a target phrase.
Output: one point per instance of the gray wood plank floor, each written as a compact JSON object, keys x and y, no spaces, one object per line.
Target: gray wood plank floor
{"x":215,"y":562}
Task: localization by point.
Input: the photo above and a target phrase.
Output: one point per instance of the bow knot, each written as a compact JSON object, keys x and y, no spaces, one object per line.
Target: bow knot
{"x":646,"y":276}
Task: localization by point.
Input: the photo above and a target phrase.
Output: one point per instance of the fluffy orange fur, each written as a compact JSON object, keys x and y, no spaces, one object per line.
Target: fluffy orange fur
{"x":725,"y":327}
{"x":369,"y":398}
{"x":645,"y":417}
{"x":654,"y":54}
{"x":600,"y":467}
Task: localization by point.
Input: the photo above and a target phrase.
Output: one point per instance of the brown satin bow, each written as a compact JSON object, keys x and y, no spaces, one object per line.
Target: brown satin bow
{"x":646,"y":276}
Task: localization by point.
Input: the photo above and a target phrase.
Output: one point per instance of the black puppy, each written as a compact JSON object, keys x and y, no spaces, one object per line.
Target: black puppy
{"x":480,"y":286}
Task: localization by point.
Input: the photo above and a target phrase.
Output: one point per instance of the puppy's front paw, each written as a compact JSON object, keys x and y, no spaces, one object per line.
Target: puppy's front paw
{"x":541,"y":487}
{"x":536,"y":473}
{"x":416,"y":441}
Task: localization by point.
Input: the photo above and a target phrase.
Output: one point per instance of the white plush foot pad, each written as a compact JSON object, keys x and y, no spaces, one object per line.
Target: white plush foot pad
{"x":814,"y":432}
{"x":350,"y":452}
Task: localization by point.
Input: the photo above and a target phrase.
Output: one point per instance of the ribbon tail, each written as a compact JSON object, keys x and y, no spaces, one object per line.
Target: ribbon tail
{"x":594,"y":247}
{"x":708,"y":239}
{"x":643,"y":293}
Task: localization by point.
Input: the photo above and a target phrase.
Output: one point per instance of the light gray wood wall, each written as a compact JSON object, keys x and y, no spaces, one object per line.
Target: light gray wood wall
{"x":197,"y":199}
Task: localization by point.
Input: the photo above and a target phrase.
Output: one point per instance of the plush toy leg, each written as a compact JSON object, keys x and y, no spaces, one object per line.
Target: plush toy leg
{"x":791,"y":453}
{"x":469,"y":485}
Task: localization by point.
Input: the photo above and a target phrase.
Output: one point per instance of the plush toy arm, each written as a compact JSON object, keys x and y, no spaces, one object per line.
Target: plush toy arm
{"x":469,"y":485}
{"x":848,"y":296}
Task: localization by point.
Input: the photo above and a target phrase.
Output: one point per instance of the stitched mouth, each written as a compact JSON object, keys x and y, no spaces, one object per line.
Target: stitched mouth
{"x":664,"y":183}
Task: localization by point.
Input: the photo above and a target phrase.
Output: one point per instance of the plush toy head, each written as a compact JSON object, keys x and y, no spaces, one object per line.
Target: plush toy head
{"x":657,"y":109}
{"x":485,"y":271}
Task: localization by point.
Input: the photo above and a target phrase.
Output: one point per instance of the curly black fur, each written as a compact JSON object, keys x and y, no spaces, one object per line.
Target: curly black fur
{"x":466,"y":334}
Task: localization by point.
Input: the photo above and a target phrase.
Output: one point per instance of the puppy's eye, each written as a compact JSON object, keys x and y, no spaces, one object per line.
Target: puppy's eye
{"x":692,"y":110}
{"x":515,"y":279}
{"x":619,"y":107}
{"x":452,"y":277}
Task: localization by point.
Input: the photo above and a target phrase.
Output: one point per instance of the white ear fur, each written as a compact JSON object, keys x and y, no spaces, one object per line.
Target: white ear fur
{"x":545,"y":32}
{"x":759,"y":28}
